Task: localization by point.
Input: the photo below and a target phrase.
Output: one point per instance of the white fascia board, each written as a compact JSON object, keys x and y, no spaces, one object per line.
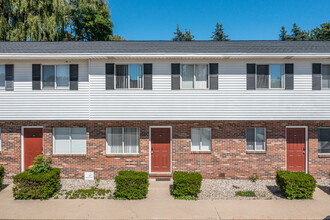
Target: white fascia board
{"x":25,"y":56}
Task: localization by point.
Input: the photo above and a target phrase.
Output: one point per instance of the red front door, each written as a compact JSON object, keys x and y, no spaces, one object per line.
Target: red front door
{"x":160,"y":150}
{"x":296,"y":149}
{"x":32,"y":145}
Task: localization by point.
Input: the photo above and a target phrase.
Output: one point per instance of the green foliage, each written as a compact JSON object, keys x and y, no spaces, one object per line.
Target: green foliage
{"x":40,"y":165}
{"x":317,"y":33}
{"x":253,"y":178}
{"x":219,"y":34}
{"x":296,"y":185}
{"x":283,"y":34}
{"x":186,"y":184}
{"x":36,"y":186}
{"x":245,"y":193}
{"x":131,"y":185}
{"x":179,"y":36}
{"x":58,"y":20}
{"x":90,"y":20}
{"x":2,"y":174}
{"x":117,"y":38}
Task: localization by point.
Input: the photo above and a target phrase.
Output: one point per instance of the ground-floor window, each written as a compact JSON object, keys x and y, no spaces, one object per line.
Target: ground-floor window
{"x":69,"y":140}
{"x":255,"y":139}
{"x":123,"y":141}
{"x":324,"y":140}
{"x":200,"y":139}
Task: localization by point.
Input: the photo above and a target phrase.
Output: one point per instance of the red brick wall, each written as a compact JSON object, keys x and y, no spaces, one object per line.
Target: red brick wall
{"x":228,"y":153}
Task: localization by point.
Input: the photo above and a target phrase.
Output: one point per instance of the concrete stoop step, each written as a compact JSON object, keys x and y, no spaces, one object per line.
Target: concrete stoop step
{"x":161,"y":177}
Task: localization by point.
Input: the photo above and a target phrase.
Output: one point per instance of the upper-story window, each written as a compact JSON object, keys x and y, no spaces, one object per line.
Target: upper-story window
{"x":2,"y":76}
{"x":270,"y":76}
{"x":129,"y":76}
{"x":326,"y":76}
{"x":194,"y":76}
{"x":55,"y":77}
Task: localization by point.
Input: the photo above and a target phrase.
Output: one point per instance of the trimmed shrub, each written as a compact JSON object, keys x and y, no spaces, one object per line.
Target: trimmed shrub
{"x":186,"y":184}
{"x":36,"y":186}
{"x":2,"y":174}
{"x":296,"y":185}
{"x":131,"y":185}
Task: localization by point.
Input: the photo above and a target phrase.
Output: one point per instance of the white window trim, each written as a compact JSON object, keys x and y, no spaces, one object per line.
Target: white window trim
{"x":194,"y":64}
{"x":70,"y":138}
{"x":269,"y":81}
{"x":200,"y":141}
{"x":255,"y":139}
{"x":108,"y":147}
{"x":318,"y":143}
{"x":55,"y":85}
{"x":322,"y":88}
{"x":128,"y":76}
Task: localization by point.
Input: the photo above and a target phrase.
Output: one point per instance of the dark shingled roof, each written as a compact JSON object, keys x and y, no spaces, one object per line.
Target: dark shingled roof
{"x":172,"y":47}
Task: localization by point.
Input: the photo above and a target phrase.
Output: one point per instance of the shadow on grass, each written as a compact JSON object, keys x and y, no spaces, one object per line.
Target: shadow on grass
{"x":275,"y":190}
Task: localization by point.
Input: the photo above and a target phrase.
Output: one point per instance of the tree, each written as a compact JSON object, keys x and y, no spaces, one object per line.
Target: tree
{"x":179,"y":36}
{"x":27,"y":20}
{"x":117,"y":38}
{"x":187,"y":36}
{"x":90,"y":20}
{"x":219,"y":34}
{"x":283,"y":35}
{"x":321,"y":33}
{"x":298,"y":34}
{"x":55,"y":20}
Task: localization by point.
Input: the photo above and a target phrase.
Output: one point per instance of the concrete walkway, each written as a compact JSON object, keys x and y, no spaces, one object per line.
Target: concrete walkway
{"x":160,"y":205}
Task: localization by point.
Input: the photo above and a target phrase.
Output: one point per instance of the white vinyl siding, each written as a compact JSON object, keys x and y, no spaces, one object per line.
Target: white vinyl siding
{"x":70,"y":141}
{"x":231,"y":102}
{"x":324,"y":140}
{"x":123,"y":141}
{"x":201,"y":139}
{"x":51,"y":104}
{"x":256,"y":139}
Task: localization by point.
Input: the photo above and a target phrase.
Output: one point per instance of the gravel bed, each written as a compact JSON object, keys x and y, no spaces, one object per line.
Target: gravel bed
{"x":225,"y":189}
{"x":75,"y":184}
{"x":264,"y":189}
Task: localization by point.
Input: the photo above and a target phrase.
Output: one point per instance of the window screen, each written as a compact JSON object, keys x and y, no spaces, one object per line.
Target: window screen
{"x":324,"y":140}
{"x":48,"y":77}
{"x":121,"y":76}
{"x":255,"y":139}
{"x":62,"y":76}
{"x":123,"y":140}
{"x":201,"y":139}
{"x":2,"y":75}
{"x":326,"y":76}
{"x":70,"y":141}
{"x":262,"y":76}
{"x":276,"y":76}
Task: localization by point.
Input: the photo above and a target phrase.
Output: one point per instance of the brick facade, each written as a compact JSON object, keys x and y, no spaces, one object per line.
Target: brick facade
{"x":228,"y":155}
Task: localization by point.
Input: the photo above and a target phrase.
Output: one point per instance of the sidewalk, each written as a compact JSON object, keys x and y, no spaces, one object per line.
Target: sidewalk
{"x":160,"y":205}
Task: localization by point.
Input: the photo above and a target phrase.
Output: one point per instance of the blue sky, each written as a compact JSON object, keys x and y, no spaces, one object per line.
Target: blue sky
{"x":242,"y":19}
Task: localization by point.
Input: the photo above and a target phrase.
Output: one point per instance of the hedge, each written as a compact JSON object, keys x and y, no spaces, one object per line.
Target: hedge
{"x":186,"y":184}
{"x":131,"y":185}
{"x":36,"y":186}
{"x":2,"y":174}
{"x":296,"y":185}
